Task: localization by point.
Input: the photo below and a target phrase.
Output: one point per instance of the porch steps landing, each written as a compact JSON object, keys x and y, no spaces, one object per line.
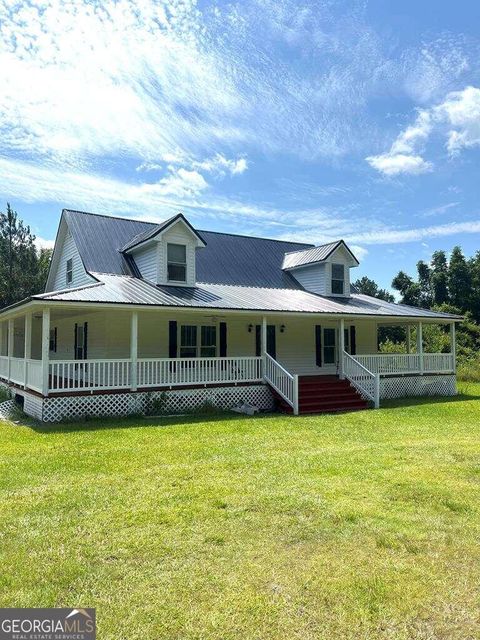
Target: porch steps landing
{"x":325,"y":394}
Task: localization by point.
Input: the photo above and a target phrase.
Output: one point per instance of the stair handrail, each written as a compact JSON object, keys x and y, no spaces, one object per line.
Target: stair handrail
{"x":284,"y":382}
{"x":364,"y":380}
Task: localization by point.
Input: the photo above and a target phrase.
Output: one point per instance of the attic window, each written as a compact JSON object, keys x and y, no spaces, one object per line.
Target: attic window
{"x":177,"y":262}
{"x":338,"y":279}
{"x":69,"y":271}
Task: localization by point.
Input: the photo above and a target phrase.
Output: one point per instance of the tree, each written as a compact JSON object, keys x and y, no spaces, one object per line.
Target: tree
{"x":22,"y":268}
{"x":439,"y":278}
{"x":370,"y":288}
{"x":408,"y":288}
{"x":424,"y":282}
{"x":459,"y":280}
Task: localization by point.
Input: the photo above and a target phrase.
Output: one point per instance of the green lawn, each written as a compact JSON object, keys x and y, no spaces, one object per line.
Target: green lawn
{"x":362,"y":525}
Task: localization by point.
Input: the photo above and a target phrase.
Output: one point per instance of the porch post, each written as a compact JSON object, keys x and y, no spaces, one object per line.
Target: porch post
{"x":264,"y":343}
{"x":420,"y":346}
{"x":341,"y":348}
{"x":453,"y":346}
{"x":27,"y":349}
{"x":11,"y":332}
{"x":409,"y":338}
{"x":45,"y":351}
{"x":133,"y":350}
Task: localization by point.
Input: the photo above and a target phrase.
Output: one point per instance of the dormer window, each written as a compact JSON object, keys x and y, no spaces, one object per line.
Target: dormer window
{"x":69,"y":276}
{"x":338,"y":279}
{"x":176,"y":262}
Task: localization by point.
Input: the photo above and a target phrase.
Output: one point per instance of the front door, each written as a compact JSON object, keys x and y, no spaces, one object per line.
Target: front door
{"x":81,"y":340}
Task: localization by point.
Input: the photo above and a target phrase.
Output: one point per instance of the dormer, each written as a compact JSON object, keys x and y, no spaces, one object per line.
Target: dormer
{"x":166,"y":253}
{"x":324,"y":270}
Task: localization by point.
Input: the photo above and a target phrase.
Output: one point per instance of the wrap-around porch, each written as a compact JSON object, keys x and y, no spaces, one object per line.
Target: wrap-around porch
{"x":57,"y":351}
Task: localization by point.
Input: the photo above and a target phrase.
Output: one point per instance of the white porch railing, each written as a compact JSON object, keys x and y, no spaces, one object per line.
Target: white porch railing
{"x":185,"y":371}
{"x":101,"y":375}
{"x":76,"y":375}
{"x":398,"y":363}
{"x":17,"y":371}
{"x":365,"y":381}
{"x":4,"y":367}
{"x":34,"y":374}
{"x":284,"y":382}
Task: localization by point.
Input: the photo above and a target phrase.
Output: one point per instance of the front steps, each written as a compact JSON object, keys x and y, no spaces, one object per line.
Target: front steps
{"x":324,"y":394}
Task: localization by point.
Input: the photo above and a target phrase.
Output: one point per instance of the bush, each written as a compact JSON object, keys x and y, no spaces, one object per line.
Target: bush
{"x":468,"y":368}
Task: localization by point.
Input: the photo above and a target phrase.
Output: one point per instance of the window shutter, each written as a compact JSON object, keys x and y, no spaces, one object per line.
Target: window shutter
{"x":353,"y":340}
{"x":85,"y":340}
{"x":55,"y":340}
{"x":75,"y":343}
{"x":223,"y":339}
{"x":258,"y":340}
{"x":172,"y":339}
{"x":318,"y":345}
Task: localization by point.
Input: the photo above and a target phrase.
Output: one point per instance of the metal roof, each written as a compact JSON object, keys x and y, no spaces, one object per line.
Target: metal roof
{"x":226,"y":259}
{"x":152,"y":232}
{"x":295,"y":259}
{"x":128,"y":290}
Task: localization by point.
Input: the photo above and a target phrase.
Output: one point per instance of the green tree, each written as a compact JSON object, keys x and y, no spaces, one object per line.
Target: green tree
{"x":459,"y":280}
{"x":408,"y":289}
{"x":22,"y":268}
{"x":439,"y":277}
{"x":370,"y":288}
{"x":424,"y":283}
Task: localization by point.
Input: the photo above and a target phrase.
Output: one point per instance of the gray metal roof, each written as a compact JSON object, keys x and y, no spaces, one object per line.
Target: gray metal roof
{"x":152,"y":231}
{"x":226,"y":259}
{"x":133,"y":291}
{"x":295,"y":259}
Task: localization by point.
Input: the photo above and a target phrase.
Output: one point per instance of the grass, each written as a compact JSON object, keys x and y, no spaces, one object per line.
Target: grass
{"x":355,"y":526}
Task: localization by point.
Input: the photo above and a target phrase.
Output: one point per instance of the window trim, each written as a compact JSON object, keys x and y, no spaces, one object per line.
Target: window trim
{"x":336,"y":279}
{"x":199,"y":345}
{"x":176,"y":263}
{"x":69,"y":271}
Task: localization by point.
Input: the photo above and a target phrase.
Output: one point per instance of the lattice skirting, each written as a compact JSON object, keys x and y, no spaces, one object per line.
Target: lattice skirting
{"x":124,"y":404}
{"x":404,"y":386}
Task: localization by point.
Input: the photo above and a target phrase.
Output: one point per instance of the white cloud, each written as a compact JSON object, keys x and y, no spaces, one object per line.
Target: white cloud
{"x":457,"y":117}
{"x":43,"y":243}
{"x":180,"y":183}
{"x":389,"y":236}
{"x":394,"y":164}
{"x":358,"y":251}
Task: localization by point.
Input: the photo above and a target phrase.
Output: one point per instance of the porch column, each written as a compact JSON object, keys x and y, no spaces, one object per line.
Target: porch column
{"x":45,"y":351}
{"x":420,"y":346}
{"x":453,"y":346}
{"x":341,"y":348}
{"x":134,"y":351}
{"x":409,"y":338}
{"x":27,"y":349}
{"x":264,"y":342}
{"x":11,"y":334}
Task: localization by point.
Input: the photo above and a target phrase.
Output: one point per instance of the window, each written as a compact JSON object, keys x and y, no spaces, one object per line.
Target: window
{"x":329,"y":346}
{"x":189,"y":347}
{"x":208,"y":347}
{"x":177,"y":262}
{"x":188,"y":341}
{"x":80,"y":347}
{"x":69,"y":270}
{"x":338,"y":279}
{"x":53,"y":340}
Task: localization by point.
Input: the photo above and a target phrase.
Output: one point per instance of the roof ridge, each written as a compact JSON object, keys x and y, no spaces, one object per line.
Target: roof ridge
{"x":316,"y":246}
{"x":111,"y":217}
{"x":244,"y":235}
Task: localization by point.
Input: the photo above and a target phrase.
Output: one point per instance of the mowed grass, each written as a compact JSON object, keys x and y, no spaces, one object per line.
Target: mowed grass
{"x":361,"y":525}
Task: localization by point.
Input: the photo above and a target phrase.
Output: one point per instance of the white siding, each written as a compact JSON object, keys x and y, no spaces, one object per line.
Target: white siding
{"x":146,"y":260}
{"x":312,"y":278}
{"x":317,"y":278}
{"x":178,"y":234}
{"x":80,"y":276}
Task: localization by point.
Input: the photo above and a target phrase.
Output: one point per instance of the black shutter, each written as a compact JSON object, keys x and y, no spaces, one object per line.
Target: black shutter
{"x":55,"y":340}
{"x":258,"y":340}
{"x":271,"y":341}
{"x":85,"y":341}
{"x":75,"y":343}
{"x":353,"y":340}
{"x":172,"y":339}
{"x":318,"y":345}
{"x":223,"y":339}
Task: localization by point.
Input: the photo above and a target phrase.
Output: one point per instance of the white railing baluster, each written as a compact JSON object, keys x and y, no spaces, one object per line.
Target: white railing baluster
{"x":364,"y":380}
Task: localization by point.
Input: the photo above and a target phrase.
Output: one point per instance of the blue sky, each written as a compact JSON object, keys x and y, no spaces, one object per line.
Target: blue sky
{"x":309,"y":121}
